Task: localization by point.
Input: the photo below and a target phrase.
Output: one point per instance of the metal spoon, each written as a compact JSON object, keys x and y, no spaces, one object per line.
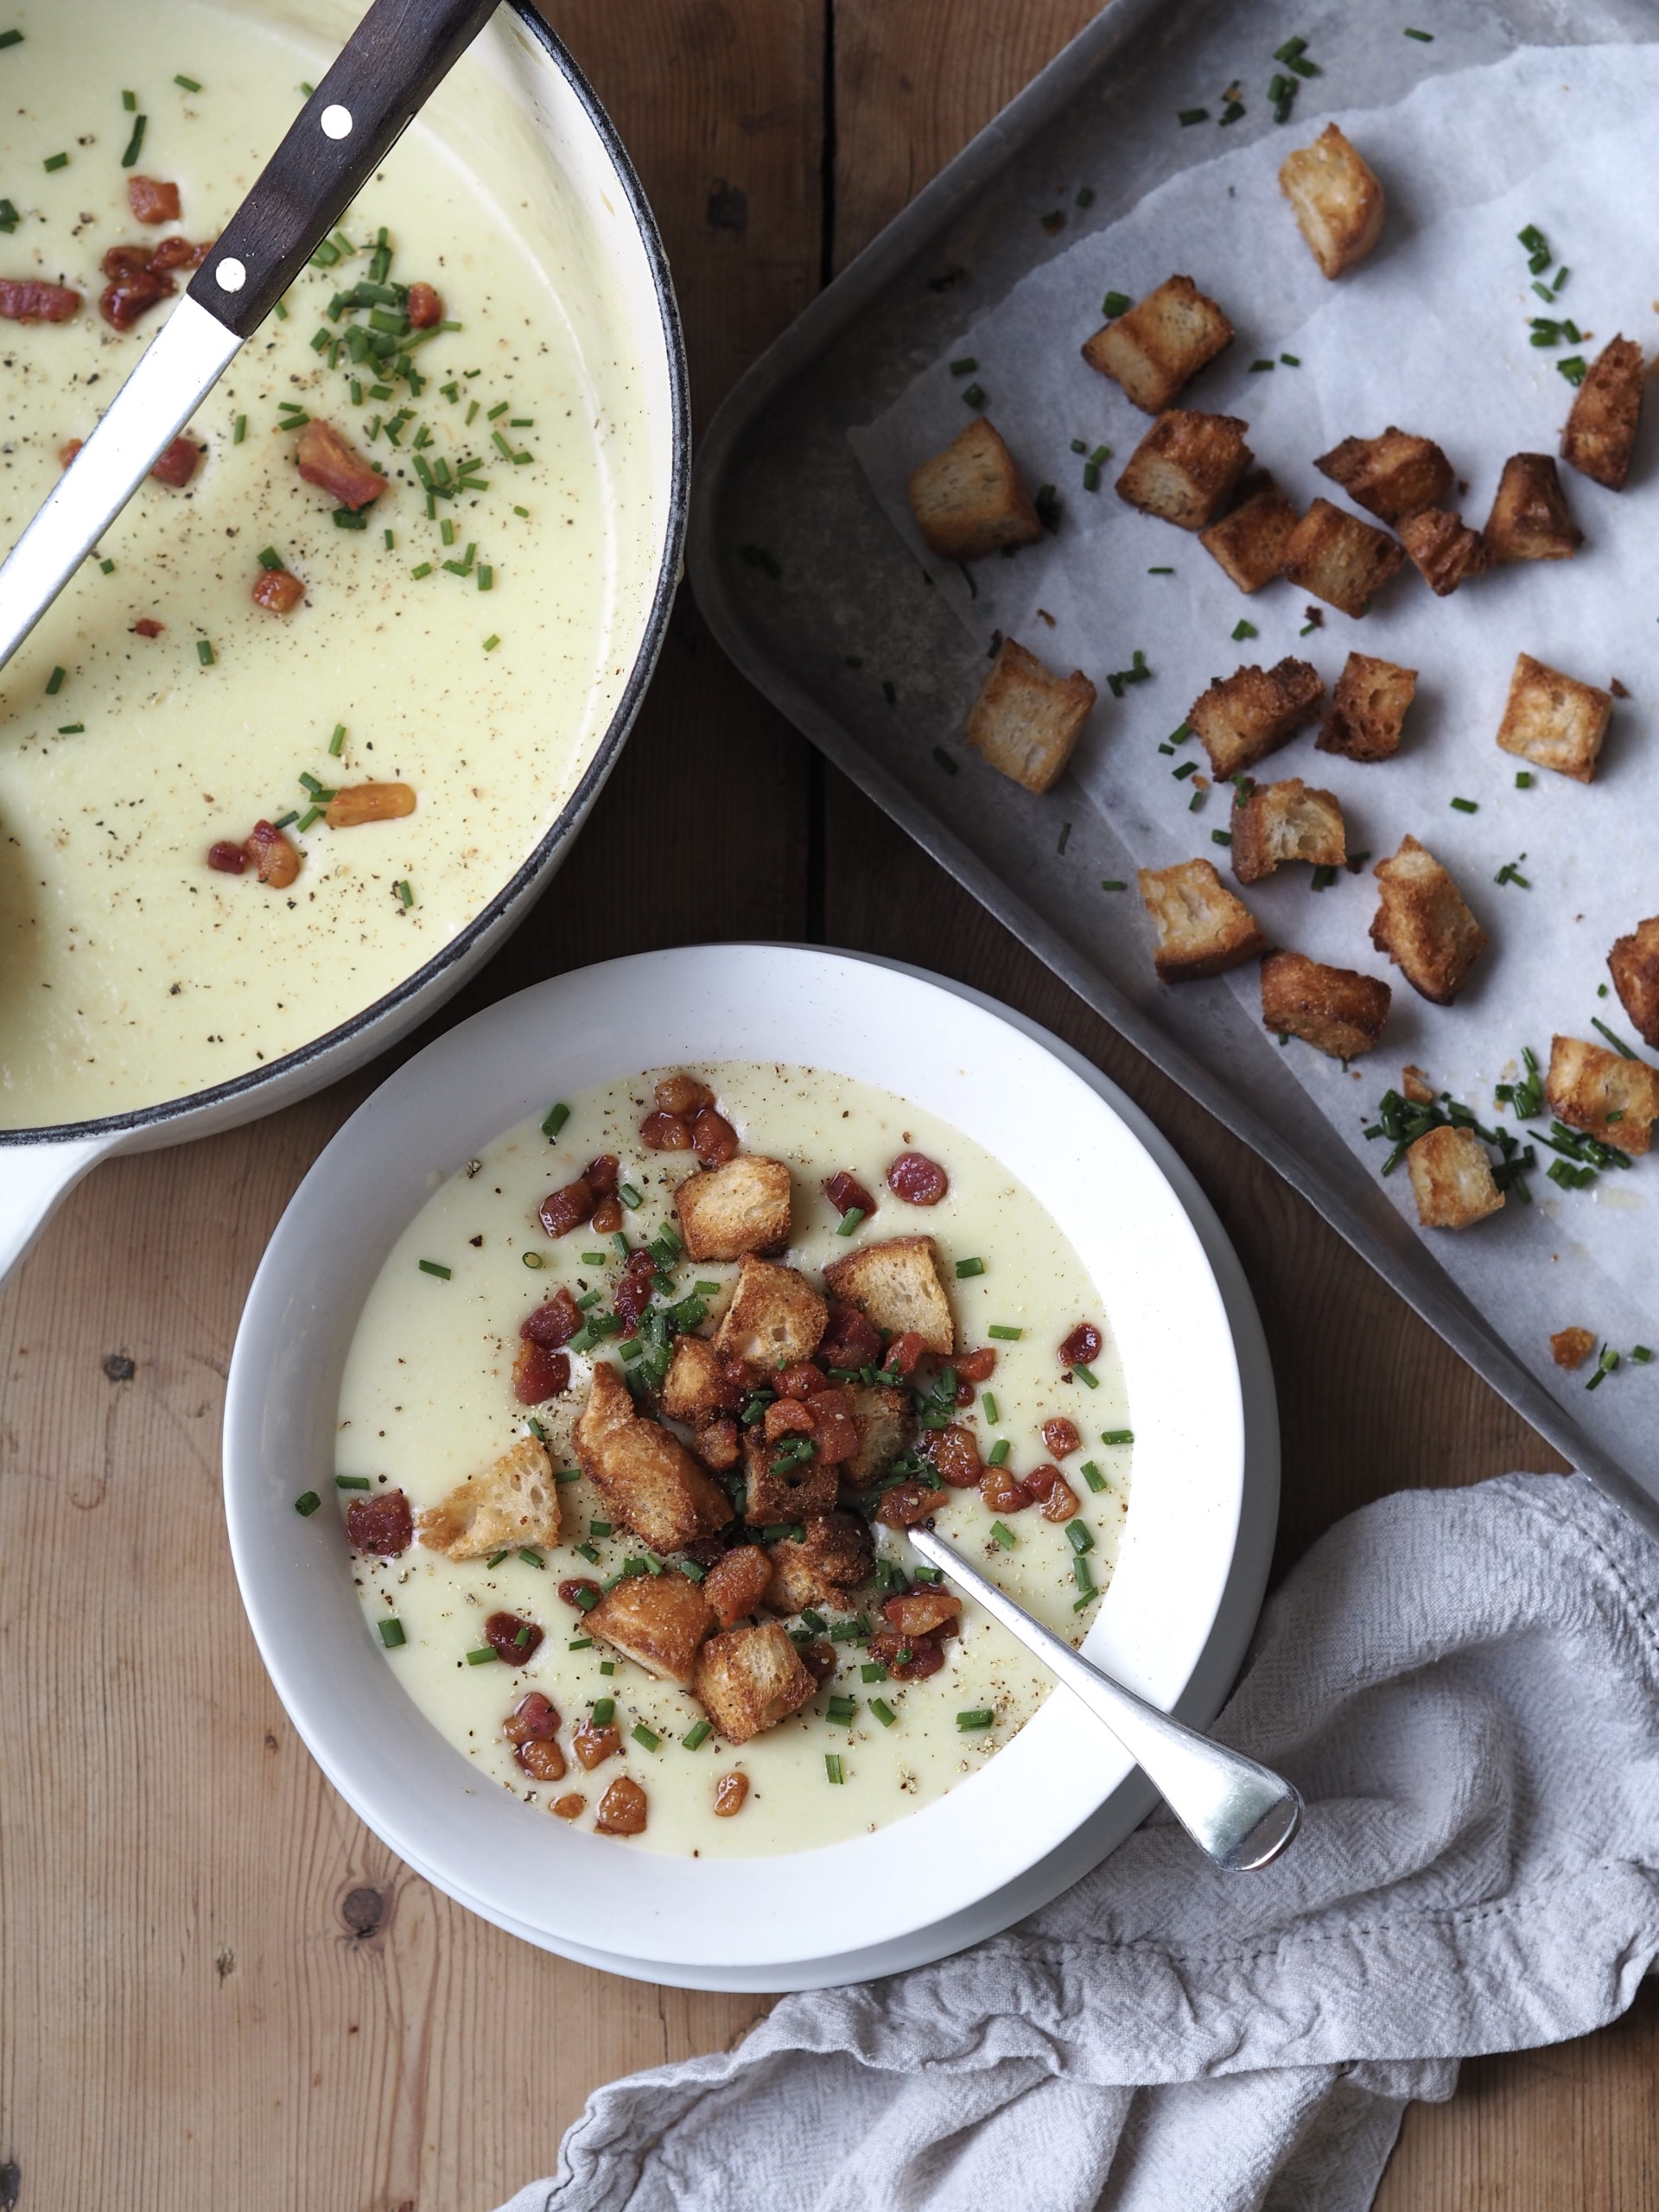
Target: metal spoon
{"x":1242,"y":1813}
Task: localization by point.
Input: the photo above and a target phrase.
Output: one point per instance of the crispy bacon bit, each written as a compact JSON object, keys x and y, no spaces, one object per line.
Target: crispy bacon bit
{"x":578,"y":1587}
{"x":177,"y":253}
{"x":512,"y":1640}
{"x":844,"y":1191}
{"x":152,"y":200}
{"x":539,"y":1374}
{"x":607,"y":1216}
{"x":603,"y":1175}
{"x":1062,"y":1500}
{"x":534,"y":1718}
{"x":735,"y":1585}
{"x":134,"y":287}
{"x":976,"y":1366}
{"x":917,"y":1179}
{"x":279,"y":590}
{"x":907,"y":1658}
{"x":228,"y":859}
{"x":850,"y":1341}
{"x":906,"y":1504}
{"x":729,"y":1792}
{"x":955,"y":1455}
{"x":665,"y":1132}
{"x":922,"y":1612}
{"x":332,"y":462}
{"x":1003,"y":1491}
{"x":66,"y":454}
{"x":569,"y":1807}
{"x":593,"y":1746}
{"x":1061,"y":1436}
{"x":178,"y":464}
{"x":567,"y":1208}
{"x":713,"y":1138}
{"x":718,"y":1445}
{"x":381,"y":1523}
{"x":905,"y":1352}
{"x":148,"y":626}
{"x":681,"y":1093}
{"x":424,"y":306}
{"x":25,"y":299}
{"x":786,"y":1417}
{"x":635,"y":1288}
{"x":274,"y":860}
{"x":799,"y":1382}
{"x":553,"y":1323}
{"x":622,"y":1809}
{"x":818,"y":1658}
{"x":543,"y":1762}
{"x":121,"y":261}
{"x":835,"y":1428}
{"x":1081,"y":1346}
{"x":359,"y":803}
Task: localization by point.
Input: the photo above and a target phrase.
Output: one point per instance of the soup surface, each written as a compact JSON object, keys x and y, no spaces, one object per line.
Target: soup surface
{"x":427,"y":1401}
{"x":455,"y":633}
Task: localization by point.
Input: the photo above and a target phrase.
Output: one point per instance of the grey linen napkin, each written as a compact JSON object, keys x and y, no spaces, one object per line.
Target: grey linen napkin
{"x":1464,"y":1685}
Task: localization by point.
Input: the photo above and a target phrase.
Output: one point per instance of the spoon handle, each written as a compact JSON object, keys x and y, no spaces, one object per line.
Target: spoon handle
{"x":1242,"y":1813}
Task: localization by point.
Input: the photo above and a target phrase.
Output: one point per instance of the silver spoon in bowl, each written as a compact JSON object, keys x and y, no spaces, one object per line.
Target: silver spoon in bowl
{"x":1242,"y":1813}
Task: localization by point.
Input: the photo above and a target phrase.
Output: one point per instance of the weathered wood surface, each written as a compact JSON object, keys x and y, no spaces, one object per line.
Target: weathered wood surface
{"x":215,"y":1986}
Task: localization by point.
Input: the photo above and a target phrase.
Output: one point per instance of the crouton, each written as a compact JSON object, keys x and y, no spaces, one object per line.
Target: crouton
{"x":824,"y":1566}
{"x":1026,"y":720}
{"x":742,"y":1207}
{"x":1570,"y":1348}
{"x":1184,"y":469}
{"x":1392,"y":476}
{"x":736,"y":1583}
{"x":1445,"y":550}
{"x":645,"y":1475}
{"x":1253,"y":712}
{"x":1335,"y":199}
{"x":750,"y":1679}
{"x":1290,"y":821}
{"x":1339,"y":559}
{"x":514,"y":1502}
{"x":1337,"y":1010}
{"x":775,"y":1318}
{"x":1249,"y":542}
{"x":1416,"y":1086}
{"x":1529,"y":520}
{"x":1553,"y":721}
{"x":1452,"y":1178}
{"x":1424,"y":925}
{"x":1160,"y":344}
{"x":896,"y":1285}
{"x":1633,"y":964}
{"x":780,"y":1489}
{"x":1368,"y":709}
{"x":1601,"y":424}
{"x":659,"y":1620}
{"x":1609,"y":1097}
{"x":883,"y":1419}
{"x":969,"y":500}
{"x":696,"y":1389}
{"x":1202,"y":928}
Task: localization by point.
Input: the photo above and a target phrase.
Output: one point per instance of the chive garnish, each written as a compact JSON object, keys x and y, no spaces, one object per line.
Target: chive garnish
{"x":70,"y":729}
{"x":1087,"y":1375}
{"x":647,"y":1737}
{"x":1117,"y":1436}
{"x":11,"y":38}
{"x":697,"y":1735}
{"x":849,"y":1221}
{"x":1078,"y":1536}
{"x":1092,"y":1475}
{"x":832,"y":1766}
{"x":1113,"y":883}
{"x":589,"y":1553}
{"x":1615,"y":1040}
{"x":1006,"y":1335}
{"x":485,"y":577}
{"x":490,"y":643}
{"x":1604,"y":1364}
{"x":1291,"y":360}
{"x":989,"y":1403}
{"x":1221,"y":837}
{"x":391,"y":1634}
{"x":56,"y":161}
{"x":482,"y":1656}
{"x":405,"y":893}
{"x":188,"y":84}
{"x":630,"y":1197}
{"x":1524,"y":780}
{"x":604,"y":1711}
{"x":54,"y":683}
{"x":978,"y":1716}
{"x":107,"y":568}
{"x":1002,"y":1535}
{"x":973,"y":395}
{"x":423,"y":569}
{"x":840,"y":1711}
{"x":883,"y":1712}
{"x":1467,"y":805}
{"x":998,"y":1454}
{"x":1641,"y":1355}
{"x":1424,"y":38}
{"x":1160,"y":572}
{"x":1242,"y":629}
{"x":1256,"y":367}
{"x":532,"y":1259}
{"x":239,"y":429}
{"x":271,"y":558}
{"x":135,"y":142}
{"x":353,"y":1482}
{"x":1114,"y":304}
{"x":307,"y":1503}
{"x":965,"y":1268}
{"x":1192,"y":115}
{"x":434,"y":1267}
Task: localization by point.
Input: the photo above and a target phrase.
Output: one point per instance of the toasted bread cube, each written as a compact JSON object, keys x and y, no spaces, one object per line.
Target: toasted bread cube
{"x":1423,"y":924}
{"x":1609,"y":1097}
{"x":1253,"y":712}
{"x":781,"y":1490}
{"x":1292,"y":821}
{"x":775,"y":1318}
{"x":969,"y":500}
{"x":885,"y":1424}
{"x":897,"y":1286}
{"x":1601,"y":424}
{"x":1337,"y":201}
{"x":1392,"y":476}
{"x":694,"y":1390}
{"x":1160,"y":344}
{"x":725,"y":1212}
{"x":1335,"y":1009}
{"x":1633,"y":964}
{"x":1339,"y":559}
{"x":1553,"y":721}
{"x":833,"y":1556}
{"x":1184,"y":469}
{"x":514,"y":1502}
{"x":1368,"y":709}
{"x":1026,"y":720}
{"x":1249,"y":542}
{"x":1570,"y":1348}
{"x":645,"y":1475}
{"x":1445,"y":550}
{"x":659,"y":1620}
{"x":1202,"y":929}
{"x":750,"y":1679}
{"x":1529,"y":520}
{"x":1452,"y":1178}
{"x":1416,"y":1086}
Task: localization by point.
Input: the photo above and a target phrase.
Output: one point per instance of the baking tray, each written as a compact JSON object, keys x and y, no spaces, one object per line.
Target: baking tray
{"x":827,"y":601}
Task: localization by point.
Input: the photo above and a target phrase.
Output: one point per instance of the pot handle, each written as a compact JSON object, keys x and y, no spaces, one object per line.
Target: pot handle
{"x":33,"y":1179}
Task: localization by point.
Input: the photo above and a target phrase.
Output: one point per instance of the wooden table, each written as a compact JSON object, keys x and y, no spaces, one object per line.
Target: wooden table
{"x":217,"y":1987}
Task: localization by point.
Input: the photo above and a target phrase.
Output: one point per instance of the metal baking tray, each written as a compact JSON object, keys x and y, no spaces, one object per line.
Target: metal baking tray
{"x":835,"y":585}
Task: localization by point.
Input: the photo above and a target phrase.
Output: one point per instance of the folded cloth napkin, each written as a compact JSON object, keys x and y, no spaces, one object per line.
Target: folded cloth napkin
{"x":1464,"y":1684}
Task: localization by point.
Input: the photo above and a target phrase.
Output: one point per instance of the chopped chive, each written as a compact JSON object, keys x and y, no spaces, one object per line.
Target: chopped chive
{"x":1192,"y":115}
{"x":1221,"y":837}
{"x":630,"y":1197}
{"x":271,"y":558}
{"x":965,"y":1268}
{"x":482,"y":1656}
{"x":56,"y":161}
{"x":308,"y":1502}
{"x":338,"y":739}
{"x":1092,"y":1475}
{"x":1322,"y":879}
{"x":70,"y":729}
{"x":283,"y":820}
{"x":840,"y":1711}
{"x":1187,"y":768}
{"x":1242,"y":629}
{"x":312,"y":814}
{"x":129,"y":102}
{"x":1467,"y":805}
{"x":1641,"y":1355}
{"x":1256,"y":367}
{"x":1604,"y":1364}
{"x":188,"y":84}
{"x":998,"y":1454}
{"x":490,"y":643}
{"x":495,"y":1559}
{"x":55,"y":682}
{"x":239,"y":429}
{"x":1112,"y":883}
{"x":1291,"y":360}
{"x":697,"y":1735}
{"x":205,"y":652}
{"x":978,"y":1716}
{"x":11,"y":38}
{"x":107,"y":568}
{"x":391,"y":1634}
{"x":423,"y":569}
{"x":1117,"y":1436}
{"x":647,"y":1737}
{"x":1616,"y":1041}
{"x":1160,"y":572}
{"x":135,"y":142}
{"x":1080,"y":1538}
{"x":485,"y":577}
{"x":1230,"y":113}
{"x":434,"y":1267}
{"x":1424,"y":38}
{"x":587,"y":1553}
{"x":1114,"y":304}
{"x":353,"y":1482}
{"x":849,"y":1221}
{"x":604,"y":1711}
{"x":1574,"y":368}
{"x":1006,"y":1335}
{"x":989,"y":1403}
{"x":405,"y":893}
{"x":883,"y":1712}
{"x":1002,"y":1535}
{"x":1087,"y":1375}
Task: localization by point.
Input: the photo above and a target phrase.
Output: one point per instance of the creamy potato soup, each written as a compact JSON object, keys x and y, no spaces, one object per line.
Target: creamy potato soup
{"x":726,"y":1645}
{"x":247,"y":642}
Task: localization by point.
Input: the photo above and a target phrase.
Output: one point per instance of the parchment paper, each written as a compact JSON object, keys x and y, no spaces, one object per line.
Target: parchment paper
{"x":1431,"y":334}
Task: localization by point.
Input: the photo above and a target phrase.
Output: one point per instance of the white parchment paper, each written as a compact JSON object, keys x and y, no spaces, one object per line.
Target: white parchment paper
{"x":1433,"y":334}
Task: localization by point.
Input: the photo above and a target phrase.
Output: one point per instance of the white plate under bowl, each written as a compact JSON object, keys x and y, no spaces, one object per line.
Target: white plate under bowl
{"x":926,"y":1879}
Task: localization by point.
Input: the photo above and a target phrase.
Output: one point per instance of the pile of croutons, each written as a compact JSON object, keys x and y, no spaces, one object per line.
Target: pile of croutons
{"x":1194,"y":470}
